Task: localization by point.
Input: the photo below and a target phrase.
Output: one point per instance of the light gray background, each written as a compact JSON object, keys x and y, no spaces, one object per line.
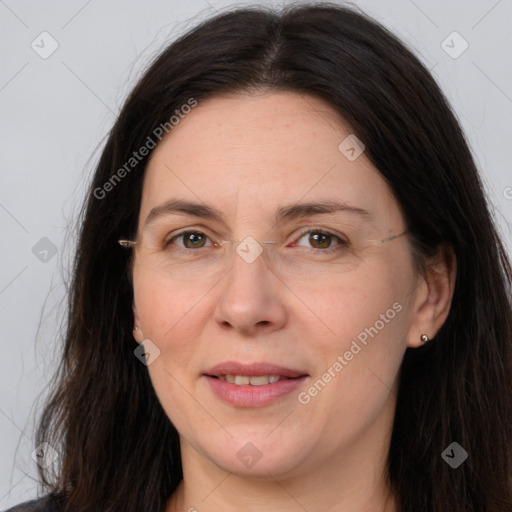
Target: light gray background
{"x":56,"y":111}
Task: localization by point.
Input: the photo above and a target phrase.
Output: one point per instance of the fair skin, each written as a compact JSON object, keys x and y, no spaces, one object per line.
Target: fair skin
{"x":247,"y":155}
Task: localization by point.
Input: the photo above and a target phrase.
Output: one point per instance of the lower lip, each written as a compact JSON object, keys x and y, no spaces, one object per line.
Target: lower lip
{"x":253,"y":396}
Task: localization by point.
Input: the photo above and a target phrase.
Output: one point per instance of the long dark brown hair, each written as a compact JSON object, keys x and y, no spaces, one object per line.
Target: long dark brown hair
{"x":119,"y":451}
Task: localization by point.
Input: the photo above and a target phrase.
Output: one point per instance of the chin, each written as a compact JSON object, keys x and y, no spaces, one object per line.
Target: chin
{"x":258,"y":458}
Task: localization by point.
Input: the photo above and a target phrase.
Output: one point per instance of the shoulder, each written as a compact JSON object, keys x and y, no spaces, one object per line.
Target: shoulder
{"x":45,"y":504}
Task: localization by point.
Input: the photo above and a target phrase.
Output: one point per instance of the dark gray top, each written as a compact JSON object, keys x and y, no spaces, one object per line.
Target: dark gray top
{"x":45,"y":504}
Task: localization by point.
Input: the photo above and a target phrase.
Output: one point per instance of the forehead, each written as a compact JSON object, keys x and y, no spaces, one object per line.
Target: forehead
{"x":251,"y":153}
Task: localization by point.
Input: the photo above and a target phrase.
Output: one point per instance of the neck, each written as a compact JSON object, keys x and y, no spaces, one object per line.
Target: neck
{"x":231,"y":493}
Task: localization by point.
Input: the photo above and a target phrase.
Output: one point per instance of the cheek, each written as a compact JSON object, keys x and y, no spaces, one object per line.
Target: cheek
{"x":358,"y":365}
{"x":163,"y":302}
{"x":168,"y":314}
{"x":367,"y":317}
{"x":167,"y":317}
{"x":362,"y":303}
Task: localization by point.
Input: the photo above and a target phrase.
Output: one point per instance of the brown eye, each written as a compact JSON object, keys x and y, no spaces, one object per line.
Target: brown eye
{"x":322,"y":239}
{"x":191,"y":240}
{"x":194,"y":239}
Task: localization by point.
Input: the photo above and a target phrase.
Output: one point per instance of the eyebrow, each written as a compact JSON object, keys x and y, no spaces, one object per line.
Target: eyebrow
{"x":284,"y":213}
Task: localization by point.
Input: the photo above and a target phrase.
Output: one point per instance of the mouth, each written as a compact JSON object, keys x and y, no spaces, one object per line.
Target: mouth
{"x":253,"y":385}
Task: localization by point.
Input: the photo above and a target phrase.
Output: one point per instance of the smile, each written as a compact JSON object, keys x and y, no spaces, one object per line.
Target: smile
{"x":245,"y":380}
{"x":253,"y":385}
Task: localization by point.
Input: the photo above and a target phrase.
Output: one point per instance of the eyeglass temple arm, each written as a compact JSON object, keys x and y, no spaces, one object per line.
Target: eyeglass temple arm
{"x":392,"y":237}
{"x":126,"y":243}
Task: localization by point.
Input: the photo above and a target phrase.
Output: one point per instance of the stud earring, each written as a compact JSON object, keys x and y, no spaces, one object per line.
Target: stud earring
{"x":424,"y":338}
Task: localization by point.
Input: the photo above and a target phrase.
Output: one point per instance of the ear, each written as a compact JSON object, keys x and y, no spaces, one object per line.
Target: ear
{"x":433,"y":296}
{"x":137,"y":330}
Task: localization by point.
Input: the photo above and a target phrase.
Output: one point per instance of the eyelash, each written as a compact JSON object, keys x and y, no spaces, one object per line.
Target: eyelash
{"x":342,"y":242}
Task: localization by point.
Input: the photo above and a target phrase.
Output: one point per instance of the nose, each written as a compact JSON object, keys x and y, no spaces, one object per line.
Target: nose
{"x":251,"y":296}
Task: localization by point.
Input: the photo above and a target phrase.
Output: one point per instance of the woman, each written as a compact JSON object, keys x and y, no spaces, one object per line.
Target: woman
{"x":288,"y":292}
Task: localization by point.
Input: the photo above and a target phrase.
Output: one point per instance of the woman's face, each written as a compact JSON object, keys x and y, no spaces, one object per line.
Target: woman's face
{"x":332,"y":326}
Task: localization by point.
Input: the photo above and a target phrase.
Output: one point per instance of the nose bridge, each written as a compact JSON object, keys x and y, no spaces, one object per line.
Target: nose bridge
{"x":248,"y":297}
{"x":248,"y":260}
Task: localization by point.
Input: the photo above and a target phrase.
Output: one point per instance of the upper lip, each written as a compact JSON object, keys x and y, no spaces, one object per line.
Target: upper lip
{"x":253,"y":370}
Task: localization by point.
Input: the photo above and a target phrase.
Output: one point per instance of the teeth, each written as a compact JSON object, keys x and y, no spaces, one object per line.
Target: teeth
{"x":241,"y":380}
{"x":259,"y":381}
{"x":244,"y":380}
